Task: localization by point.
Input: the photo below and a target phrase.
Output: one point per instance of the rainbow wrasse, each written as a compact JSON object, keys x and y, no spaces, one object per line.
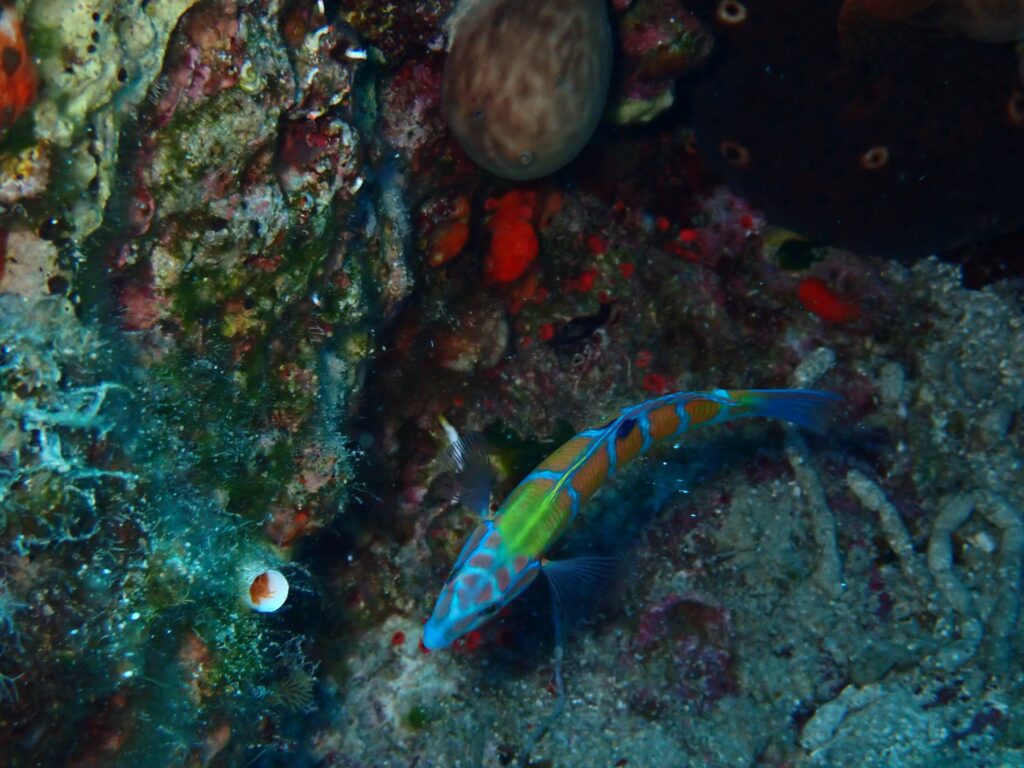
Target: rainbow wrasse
{"x":507,"y":550}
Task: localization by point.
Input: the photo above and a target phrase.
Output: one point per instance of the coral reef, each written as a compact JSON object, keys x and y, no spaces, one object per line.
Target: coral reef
{"x":771,"y":611}
{"x":245,"y":269}
{"x":183,"y":330}
{"x":95,"y":62}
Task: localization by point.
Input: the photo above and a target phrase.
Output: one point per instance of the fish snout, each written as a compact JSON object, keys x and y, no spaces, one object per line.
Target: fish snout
{"x":434,"y":638}
{"x":437,"y":631}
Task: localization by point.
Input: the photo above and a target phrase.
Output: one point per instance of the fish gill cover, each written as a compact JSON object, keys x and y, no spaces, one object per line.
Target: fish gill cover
{"x":246,"y":264}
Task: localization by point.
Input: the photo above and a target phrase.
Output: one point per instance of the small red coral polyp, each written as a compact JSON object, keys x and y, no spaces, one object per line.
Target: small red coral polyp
{"x":818,"y":298}
{"x":689,"y":236}
{"x":514,"y":245}
{"x":469,"y":642}
{"x":655,"y":383}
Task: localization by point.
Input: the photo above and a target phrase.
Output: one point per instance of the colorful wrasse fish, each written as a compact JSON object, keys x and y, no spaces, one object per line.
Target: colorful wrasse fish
{"x":505,"y":553}
{"x":881,"y":31}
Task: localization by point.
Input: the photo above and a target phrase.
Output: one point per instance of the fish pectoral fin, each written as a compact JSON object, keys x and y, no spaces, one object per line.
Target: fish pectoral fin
{"x":576,"y":582}
{"x":467,"y":460}
{"x":876,"y":36}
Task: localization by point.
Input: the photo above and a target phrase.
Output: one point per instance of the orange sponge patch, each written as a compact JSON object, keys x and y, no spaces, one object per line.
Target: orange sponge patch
{"x":514,"y":245}
{"x":17,"y":73}
{"x":822,"y":301}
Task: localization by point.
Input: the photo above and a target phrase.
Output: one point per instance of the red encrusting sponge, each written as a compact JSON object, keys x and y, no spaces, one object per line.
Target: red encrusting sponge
{"x":818,"y":298}
{"x":514,"y":245}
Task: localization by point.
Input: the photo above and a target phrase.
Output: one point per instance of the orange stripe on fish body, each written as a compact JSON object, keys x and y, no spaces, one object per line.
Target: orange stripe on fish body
{"x":561,"y":517}
{"x":591,"y":475}
{"x":701,"y":410}
{"x":664,"y":421}
{"x":563,"y":458}
{"x":629,"y":443}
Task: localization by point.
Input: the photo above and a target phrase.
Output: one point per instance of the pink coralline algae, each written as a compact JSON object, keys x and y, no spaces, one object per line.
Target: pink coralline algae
{"x":209,"y":56}
{"x":659,"y":42}
{"x":315,"y":159}
{"x":411,"y":119}
{"x":698,"y":637}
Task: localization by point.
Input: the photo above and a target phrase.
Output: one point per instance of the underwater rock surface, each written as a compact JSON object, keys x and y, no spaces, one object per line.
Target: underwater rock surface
{"x":245,"y":269}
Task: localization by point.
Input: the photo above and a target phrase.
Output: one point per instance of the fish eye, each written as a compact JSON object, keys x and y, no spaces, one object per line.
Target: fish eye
{"x":451,"y":575}
{"x":490,"y":610}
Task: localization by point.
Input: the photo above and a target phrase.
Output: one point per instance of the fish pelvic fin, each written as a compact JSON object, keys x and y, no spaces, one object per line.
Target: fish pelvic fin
{"x":579,"y":581}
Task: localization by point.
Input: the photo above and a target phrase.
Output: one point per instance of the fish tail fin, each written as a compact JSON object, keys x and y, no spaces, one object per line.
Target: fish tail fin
{"x":808,"y":408}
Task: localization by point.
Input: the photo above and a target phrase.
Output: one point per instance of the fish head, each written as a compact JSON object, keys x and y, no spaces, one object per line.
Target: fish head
{"x":485,"y":578}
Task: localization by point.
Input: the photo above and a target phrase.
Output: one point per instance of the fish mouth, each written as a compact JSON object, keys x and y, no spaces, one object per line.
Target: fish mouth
{"x":434,"y":638}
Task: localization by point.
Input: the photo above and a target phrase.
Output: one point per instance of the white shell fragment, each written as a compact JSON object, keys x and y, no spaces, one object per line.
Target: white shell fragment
{"x":266,"y":591}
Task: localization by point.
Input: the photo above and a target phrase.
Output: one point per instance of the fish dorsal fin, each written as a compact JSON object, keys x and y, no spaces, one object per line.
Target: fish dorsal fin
{"x":880,"y":35}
